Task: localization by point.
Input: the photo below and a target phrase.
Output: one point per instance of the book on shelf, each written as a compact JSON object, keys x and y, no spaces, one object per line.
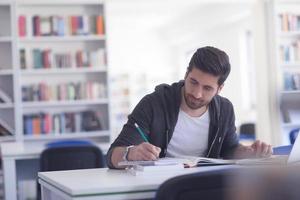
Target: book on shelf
{"x":62,"y":123}
{"x":290,"y":53}
{"x":55,"y":25}
{"x":22,"y":26}
{"x":289,"y":22}
{"x":48,"y":58}
{"x":63,"y":91}
{"x":291,"y":81}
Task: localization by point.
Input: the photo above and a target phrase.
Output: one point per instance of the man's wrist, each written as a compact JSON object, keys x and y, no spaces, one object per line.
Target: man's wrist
{"x":125,"y":156}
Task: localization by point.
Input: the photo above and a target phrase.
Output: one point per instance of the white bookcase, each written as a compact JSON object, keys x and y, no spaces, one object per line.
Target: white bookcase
{"x":7,"y":109}
{"x":284,"y":50}
{"x":13,"y":77}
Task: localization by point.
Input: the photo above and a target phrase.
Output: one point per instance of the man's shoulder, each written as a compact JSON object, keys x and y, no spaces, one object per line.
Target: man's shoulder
{"x":223,"y":102}
{"x":164,"y":87}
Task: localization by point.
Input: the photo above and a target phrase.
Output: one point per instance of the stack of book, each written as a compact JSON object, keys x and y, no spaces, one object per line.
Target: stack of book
{"x":65,"y":91}
{"x":48,"y":58}
{"x":162,"y":165}
{"x":60,"y":26}
{"x":61,"y":123}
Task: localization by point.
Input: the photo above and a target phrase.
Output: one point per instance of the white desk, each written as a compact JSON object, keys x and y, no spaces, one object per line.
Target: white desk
{"x":92,"y":184}
{"x":13,"y":152}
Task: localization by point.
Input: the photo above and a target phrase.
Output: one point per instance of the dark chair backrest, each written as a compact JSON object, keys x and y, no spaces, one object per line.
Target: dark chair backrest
{"x":71,"y":157}
{"x":247,"y":129}
{"x":203,"y":185}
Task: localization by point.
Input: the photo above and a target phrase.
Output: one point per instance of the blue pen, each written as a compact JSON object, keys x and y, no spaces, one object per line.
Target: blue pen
{"x":141,"y":132}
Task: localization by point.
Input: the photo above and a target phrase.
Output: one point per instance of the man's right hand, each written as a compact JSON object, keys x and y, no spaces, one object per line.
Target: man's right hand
{"x":144,"y":151}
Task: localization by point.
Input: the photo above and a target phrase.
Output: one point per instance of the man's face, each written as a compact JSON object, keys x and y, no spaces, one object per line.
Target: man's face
{"x":200,"y":88}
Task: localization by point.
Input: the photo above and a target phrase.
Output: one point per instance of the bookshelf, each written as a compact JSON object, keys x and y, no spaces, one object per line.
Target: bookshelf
{"x":53,"y":66}
{"x":284,"y":45}
{"x":7,"y":105}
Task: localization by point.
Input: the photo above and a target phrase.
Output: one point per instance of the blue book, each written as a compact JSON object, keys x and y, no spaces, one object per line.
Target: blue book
{"x":61,"y":26}
{"x":28,"y":125}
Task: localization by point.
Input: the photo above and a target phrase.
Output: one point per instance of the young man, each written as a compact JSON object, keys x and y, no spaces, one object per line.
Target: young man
{"x":187,"y":118}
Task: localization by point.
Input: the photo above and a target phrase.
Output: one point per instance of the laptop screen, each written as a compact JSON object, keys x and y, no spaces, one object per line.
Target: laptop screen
{"x":295,"y":153}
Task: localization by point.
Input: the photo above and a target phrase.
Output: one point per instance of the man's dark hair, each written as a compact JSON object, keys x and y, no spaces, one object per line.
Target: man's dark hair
{"x":211,"y":60}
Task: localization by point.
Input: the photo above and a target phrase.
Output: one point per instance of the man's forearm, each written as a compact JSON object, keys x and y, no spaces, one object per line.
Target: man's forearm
{"x":117,"y":156}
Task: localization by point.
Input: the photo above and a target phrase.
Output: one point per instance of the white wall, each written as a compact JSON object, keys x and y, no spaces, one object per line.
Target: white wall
{"x":152,"y":43}
{"x":226,"y":30}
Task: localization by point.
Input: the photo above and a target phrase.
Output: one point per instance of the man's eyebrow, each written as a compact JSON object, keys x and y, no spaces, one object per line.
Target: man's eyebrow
{"x":193,"y":79}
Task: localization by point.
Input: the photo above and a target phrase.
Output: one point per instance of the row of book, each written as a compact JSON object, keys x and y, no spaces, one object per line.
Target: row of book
{"x":291,"y":81}
{"x":60,"y":123}
{"x":289,"y":22}
{"x":48,"y":58}
{"x":60,"y":25}
{"x":290,"y":52}
{"x":64,"y":91}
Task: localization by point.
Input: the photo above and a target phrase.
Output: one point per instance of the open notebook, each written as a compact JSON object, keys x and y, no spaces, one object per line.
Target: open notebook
{"x":187,"y":161}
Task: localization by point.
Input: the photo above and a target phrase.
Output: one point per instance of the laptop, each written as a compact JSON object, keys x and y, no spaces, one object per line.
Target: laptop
{"x":293,"y":158}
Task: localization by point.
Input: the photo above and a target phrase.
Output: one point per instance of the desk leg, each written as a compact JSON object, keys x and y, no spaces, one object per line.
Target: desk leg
{"x":10,"y":179}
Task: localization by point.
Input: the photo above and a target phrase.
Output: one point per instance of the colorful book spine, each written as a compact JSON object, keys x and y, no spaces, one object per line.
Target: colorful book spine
{"x":22,"y":25}
{"x":100,"y":25}
{"x":62,"y":123}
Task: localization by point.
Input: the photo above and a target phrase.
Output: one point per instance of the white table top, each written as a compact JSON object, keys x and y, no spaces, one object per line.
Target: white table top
{"x":31,"y":150}
{"x":103,"y":181}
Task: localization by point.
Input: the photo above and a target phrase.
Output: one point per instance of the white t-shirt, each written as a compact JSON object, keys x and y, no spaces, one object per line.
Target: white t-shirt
{"x":190,"y":137}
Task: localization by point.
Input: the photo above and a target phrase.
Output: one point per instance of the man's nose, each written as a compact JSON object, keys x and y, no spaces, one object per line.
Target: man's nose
{"x":198,"y":93}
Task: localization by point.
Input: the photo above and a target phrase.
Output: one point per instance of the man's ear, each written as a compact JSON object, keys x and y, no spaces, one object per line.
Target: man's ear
{"x":220,"y":88}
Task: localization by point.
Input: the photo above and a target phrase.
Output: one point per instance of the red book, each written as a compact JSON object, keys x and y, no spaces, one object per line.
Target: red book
{"x":100,"y":25}
{"x":22,"y":26}
{"x":48,"y":124}
{"x":74,"y":24}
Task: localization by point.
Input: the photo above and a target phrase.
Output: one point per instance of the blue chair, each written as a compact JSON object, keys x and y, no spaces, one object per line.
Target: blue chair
{"x":70,"y":155}
{"x":247,"y":131}
{"x":293,"y":135}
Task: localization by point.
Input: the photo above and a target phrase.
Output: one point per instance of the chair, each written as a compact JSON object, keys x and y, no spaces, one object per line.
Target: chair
{"x":70,"y":155}
{"x":210,"y":185}
{"x":293,"y":135}
{"x":247,"y":131}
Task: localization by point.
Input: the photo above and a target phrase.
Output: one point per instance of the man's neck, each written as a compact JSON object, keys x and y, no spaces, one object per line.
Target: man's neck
{"x":191,"y":112}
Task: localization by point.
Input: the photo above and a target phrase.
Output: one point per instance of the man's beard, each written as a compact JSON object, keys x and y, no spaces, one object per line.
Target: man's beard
{"x":192,"y":102}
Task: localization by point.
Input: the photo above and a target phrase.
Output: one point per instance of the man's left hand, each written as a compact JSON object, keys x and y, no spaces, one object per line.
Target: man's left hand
{"x":257,"y":149}
{"x":261,"y":149}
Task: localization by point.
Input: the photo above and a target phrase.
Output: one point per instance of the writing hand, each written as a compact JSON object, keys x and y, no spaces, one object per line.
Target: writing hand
{"x":144,"y":151}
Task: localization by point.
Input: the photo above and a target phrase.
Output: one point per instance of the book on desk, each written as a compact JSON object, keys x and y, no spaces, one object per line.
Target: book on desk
{"x":168,"y":164}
